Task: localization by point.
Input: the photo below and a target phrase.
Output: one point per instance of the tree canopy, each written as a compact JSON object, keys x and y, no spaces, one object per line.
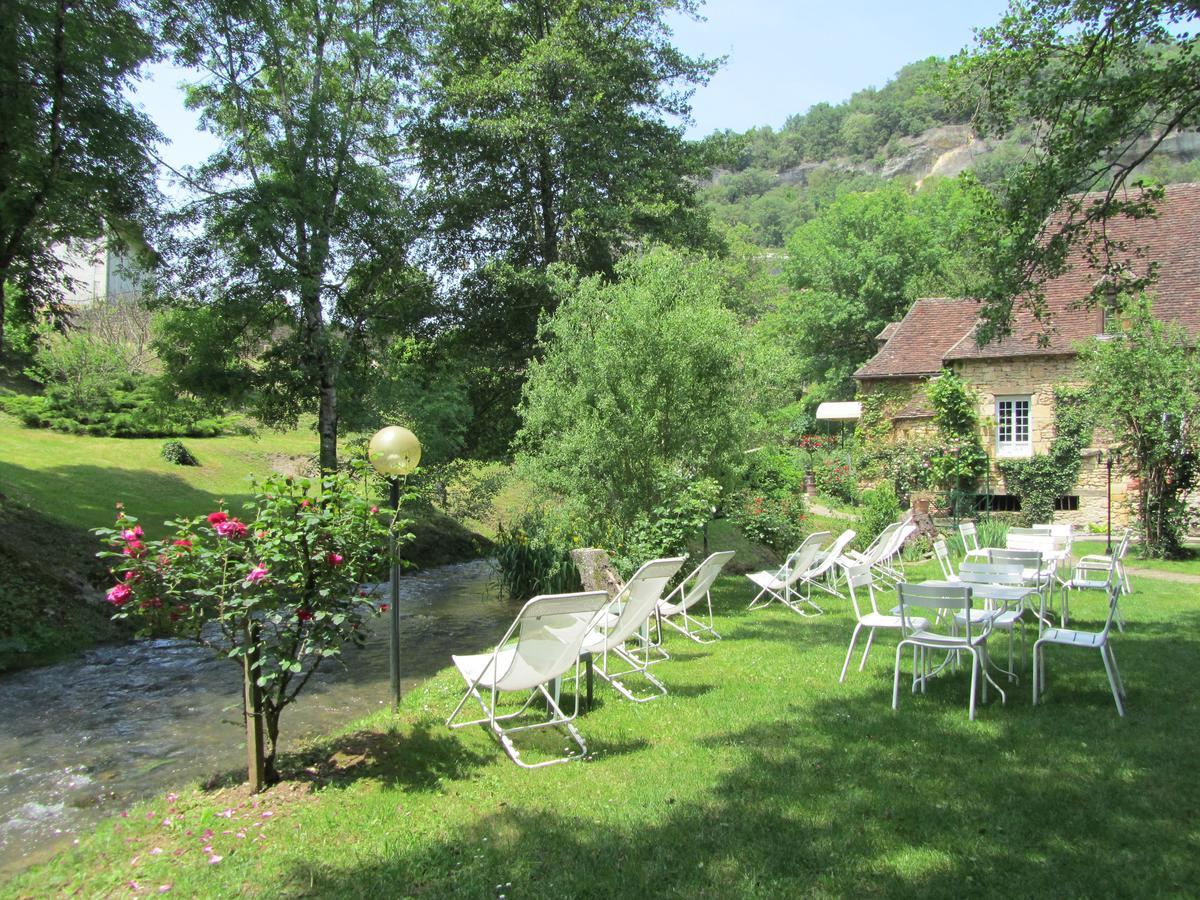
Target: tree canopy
{"x":1101,"y":84}
{"x":295,"y":244}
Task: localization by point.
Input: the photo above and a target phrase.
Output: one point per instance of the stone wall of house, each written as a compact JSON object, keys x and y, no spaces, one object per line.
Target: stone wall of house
{"x":1037,"y":377}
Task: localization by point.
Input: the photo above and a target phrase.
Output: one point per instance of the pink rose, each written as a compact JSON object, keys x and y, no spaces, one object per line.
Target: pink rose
{"x":334,"y":559}
{"x":257,"y":574}
{"x":132,"y":534}
{"x":135,"y":549}
{"x":231,"y":528}
{"x":183,"y":544}
{"x":119,"y":595}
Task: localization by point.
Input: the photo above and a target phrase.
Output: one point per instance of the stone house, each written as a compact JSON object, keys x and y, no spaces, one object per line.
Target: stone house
{"x":1015,"y":377}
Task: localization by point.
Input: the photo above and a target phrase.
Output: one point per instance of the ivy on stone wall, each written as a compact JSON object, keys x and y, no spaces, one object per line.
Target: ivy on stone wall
{"x":959,"y":460}
{"x":1044,"y":477}
{"x":874,"y":427}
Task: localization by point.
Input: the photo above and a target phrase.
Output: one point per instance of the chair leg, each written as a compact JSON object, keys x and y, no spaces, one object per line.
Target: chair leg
{"x":867,"y":650}
{"x":850,"y":652}
{"x":1112,"y":683}
{"x":896,"y":677}
{"x":1039,"y":672}
{"x":974,"y":671}
{"x":1116,"y":670}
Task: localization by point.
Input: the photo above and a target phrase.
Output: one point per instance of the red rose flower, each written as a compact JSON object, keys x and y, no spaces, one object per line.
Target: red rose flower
{"x":218,"y":517}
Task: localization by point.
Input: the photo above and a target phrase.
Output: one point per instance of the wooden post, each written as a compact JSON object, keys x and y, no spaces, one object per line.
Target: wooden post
{"x":255,"y":744}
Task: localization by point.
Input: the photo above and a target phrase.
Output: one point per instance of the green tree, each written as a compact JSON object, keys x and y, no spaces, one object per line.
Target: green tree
{"x":1145,"y":386}
{"x":298,"y":233}
{"x":863,"y":261}
{"x":545,"y":137}
{"x":644,"y":387}
{"x":1102,"y":84}
{"x":74,"y":153}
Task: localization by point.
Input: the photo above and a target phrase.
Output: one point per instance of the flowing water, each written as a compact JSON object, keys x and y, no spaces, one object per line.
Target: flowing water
{"x":83,"y":740}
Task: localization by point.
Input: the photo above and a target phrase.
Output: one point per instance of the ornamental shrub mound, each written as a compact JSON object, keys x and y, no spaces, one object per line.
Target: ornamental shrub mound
{"x":279,"y":583}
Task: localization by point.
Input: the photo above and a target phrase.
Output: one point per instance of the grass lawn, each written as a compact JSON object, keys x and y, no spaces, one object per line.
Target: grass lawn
{"x":759,"y":775}
{"x":1133,"y":561}
{"x":77,"y":479}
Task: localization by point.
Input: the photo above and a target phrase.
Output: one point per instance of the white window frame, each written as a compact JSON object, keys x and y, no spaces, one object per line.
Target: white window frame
{"x":1014,"y":445}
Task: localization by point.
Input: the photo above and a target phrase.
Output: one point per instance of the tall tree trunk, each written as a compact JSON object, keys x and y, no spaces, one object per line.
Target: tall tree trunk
{"x":546,"y":205}
{"x":3,"y":307}
{"x":327,"y":417}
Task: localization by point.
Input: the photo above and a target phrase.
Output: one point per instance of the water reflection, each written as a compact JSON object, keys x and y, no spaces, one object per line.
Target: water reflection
{"x":82,"y":740}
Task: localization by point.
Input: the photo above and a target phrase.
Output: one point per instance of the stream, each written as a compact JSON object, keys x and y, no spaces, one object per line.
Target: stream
{"x":85,"y":739}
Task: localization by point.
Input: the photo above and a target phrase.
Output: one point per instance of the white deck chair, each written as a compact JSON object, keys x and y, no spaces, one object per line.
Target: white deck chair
{"x":1096,"y":640}
{"x":677,"y":603}
{"x":891,"y":564}
{"x":549,"y":630}
{"x":778,"y":585}
{"x":625,"y":616}
{"x":874,"y":553}
{"x":823,"y":572}
{"x":859,"y":577}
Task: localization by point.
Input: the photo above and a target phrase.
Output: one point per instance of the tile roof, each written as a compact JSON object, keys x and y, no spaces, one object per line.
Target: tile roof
{"x":888,"y":330}
{"x":1171,"y":239}
{"x":916,"y":347}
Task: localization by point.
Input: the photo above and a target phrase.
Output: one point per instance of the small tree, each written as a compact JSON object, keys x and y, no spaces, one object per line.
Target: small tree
{"x":277,"y":594}
{"x":960,"y":456}
{"x":644,"y":388}
{"x":1145,"y":381}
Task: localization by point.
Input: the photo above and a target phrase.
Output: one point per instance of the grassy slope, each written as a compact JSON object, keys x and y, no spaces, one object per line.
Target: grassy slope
{"x":759,"y":775}
{"x":57,"y":485}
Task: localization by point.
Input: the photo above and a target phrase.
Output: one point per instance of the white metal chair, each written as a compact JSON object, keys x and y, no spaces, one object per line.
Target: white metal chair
{"x":1096,"y":640}
{"x":970,"y":539}
{"x":1008,"y":619}
{"x":625,"y":616}
{"x":1034,"y":568}
{"x":701,"y":581}
{"x":1119,"y":556}
{"x":1090,"y":574}
{"x":779,"y":585}
{"x":858,"y":578}
{"x":942,"y":552}
{"x":944,"y":602}
{"x":549,"y":631}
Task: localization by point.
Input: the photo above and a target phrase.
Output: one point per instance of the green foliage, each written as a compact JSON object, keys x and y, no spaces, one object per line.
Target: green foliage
{"x":298,"y":231}
{"x":532,"y":555}
{"x":666,"y":530}
{"x":644,"y":385}
{"x":1044,"y":477}
{"x":990,"y":532}
{"x":177,"y":454}
{"x":76,"y":157}
{"x":774,"y":521}
{"x":1145,"y":385}
{"x":862,"y":263}
{"x":880,"y":508}
{"x":1045,"y":63}
{"x":281,"y":587}
{"x":835,"y":479}
{"x":959,"y":458}
{"x":908,"y":464}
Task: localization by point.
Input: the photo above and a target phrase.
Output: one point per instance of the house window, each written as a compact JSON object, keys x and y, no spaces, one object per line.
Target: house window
{"x":1066,"y":503}
{"x":1012,"y":426}
{"x":998,"y":503}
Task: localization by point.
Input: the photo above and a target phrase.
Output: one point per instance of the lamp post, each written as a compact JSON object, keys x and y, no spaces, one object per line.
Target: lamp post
{"x":1109,"y":464}
{"x":394,"y":452}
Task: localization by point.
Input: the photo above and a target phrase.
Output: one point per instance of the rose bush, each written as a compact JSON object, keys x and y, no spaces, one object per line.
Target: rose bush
{"x":281,"y":588}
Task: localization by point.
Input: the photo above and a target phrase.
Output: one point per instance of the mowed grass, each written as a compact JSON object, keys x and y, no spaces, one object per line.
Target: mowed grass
{"x":78,"y":479}
{"x":1132,"y":560}
{"x":760,"y":775}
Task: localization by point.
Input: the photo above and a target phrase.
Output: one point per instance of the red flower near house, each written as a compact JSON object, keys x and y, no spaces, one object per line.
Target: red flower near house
{"x":216,"y":518}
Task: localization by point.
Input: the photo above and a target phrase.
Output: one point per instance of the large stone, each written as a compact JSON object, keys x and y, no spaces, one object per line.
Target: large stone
{"x":596,"y":570}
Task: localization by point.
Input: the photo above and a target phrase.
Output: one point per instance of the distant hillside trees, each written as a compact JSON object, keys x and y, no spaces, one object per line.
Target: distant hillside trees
{"x":862,"y":262}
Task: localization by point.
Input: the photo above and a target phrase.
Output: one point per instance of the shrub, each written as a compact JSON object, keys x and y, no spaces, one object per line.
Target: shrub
{"x":533,"y":555}
{"x":666,"y":530}
{"x":880,"y":508}
{"x":775,"y":522}
{"x":175,"y":453}
{"x":280,"y":587}
{"x":835,"y":479}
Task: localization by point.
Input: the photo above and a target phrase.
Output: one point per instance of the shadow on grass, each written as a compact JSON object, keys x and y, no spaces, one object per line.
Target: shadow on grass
{"x":841,"y":796}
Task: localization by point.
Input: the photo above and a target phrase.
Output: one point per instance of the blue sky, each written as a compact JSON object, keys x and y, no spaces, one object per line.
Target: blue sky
{"x":783,"y":57}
